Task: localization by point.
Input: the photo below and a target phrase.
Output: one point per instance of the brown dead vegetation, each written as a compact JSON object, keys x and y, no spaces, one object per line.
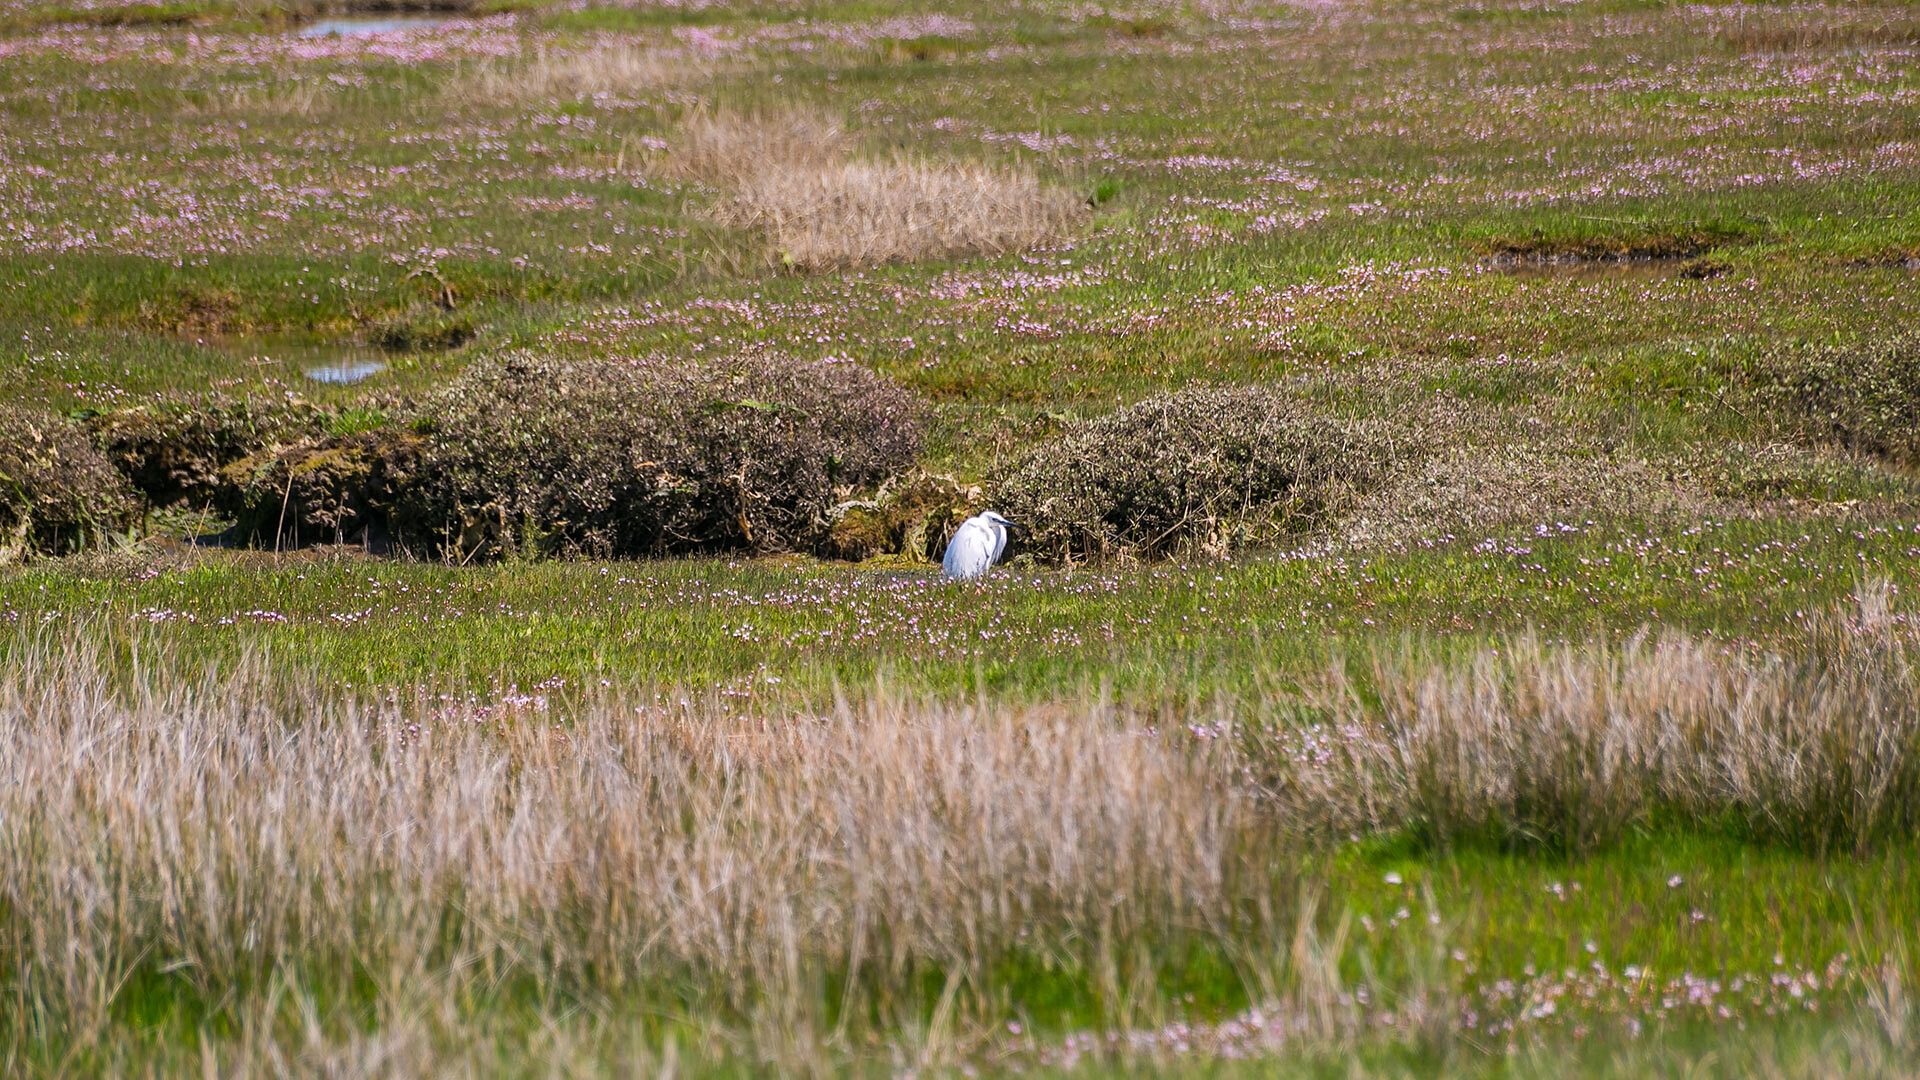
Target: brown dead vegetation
{"x":1775,"y":31}
{"x":548,"y":74}
{"x":796,"y":177}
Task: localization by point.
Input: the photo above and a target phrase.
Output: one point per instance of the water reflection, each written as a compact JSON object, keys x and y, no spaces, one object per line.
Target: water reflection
{"x":369,"y":25}
{"x":345,"y":372}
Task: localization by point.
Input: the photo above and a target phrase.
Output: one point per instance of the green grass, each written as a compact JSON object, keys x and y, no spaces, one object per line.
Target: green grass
{"x":1167,"y":633}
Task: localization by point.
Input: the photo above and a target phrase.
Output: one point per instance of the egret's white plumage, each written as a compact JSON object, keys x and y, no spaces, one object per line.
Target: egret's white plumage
{"x":976,"y":546}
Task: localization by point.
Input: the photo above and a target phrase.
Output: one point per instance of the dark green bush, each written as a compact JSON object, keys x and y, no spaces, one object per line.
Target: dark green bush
{"x":1864,"y":397}
{"x":58,"y":494}
{"x":1205,"y":470}
{"x":173,"y":450}
{"x":650,"y":456}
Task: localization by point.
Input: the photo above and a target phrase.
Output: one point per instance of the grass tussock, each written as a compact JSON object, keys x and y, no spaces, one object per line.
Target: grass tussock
{"x":1567,"y":747}
{"x":547,"y":74}
{"x":796,"y":177}
{"x":231,"y":838}
{"x":730,"y":149}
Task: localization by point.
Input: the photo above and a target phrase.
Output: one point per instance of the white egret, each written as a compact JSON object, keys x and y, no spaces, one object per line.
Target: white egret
{"x":975,"y":546}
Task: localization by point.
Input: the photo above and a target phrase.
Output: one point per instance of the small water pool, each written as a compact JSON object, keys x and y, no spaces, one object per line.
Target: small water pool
{"x":345,"y":372}
{"x":333,"y":363}
{"x":370,"y":25}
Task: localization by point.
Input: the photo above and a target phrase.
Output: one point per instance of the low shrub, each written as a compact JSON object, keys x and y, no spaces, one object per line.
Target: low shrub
{"x":58,"y":494}
{"x":1204,"y":470}
{"x":650,"y":456}
{"x":1864,"y":397}
{"x":339,"y":489}
{"x":174,"y":450}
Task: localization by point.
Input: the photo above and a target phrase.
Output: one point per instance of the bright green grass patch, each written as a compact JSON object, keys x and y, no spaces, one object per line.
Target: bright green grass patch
{"x":1166,"y":633}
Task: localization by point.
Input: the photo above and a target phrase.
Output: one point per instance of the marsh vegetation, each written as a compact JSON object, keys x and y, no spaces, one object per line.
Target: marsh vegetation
{"x":1462,"y":620}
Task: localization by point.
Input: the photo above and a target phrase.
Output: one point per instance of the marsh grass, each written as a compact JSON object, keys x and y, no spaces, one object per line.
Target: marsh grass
{"x":796,"y":177}
{"x":1309,"y":197}
{"x":1781,"y":33}
{"x":1566,"y":748}
{"x":297,"y":99}
{"x":767,"y":873}
{"x":548,"y":74}
{"x":891,"y":877}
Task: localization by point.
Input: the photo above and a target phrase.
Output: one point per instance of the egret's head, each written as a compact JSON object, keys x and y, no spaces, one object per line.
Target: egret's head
{"x":992,"y":518}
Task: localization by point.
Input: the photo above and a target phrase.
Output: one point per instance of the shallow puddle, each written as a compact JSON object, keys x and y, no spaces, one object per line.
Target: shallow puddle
{"x":369,"y":25}
{"x":334,"y":363}
{"x":346,"y":372}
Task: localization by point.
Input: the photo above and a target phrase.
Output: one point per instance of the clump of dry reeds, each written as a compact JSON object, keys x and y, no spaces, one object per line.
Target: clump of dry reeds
{"x":239,"y":835}
{"x":342,"y":881}
{"x":548,"y":74}
{"x":797,"y":177}
{"x":1567,"y":746}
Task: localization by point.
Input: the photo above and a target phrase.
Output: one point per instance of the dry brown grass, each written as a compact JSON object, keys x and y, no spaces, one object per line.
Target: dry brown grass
{"x":730,"y":149}
{"x":546,"y":74}
{"x":796,"y":177}
{"x":1772,"y":31}
{"x":250,"y":835}
{"x":1567,"y":746}
{"x":263,"y":844}
{"x":292,"y":99}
